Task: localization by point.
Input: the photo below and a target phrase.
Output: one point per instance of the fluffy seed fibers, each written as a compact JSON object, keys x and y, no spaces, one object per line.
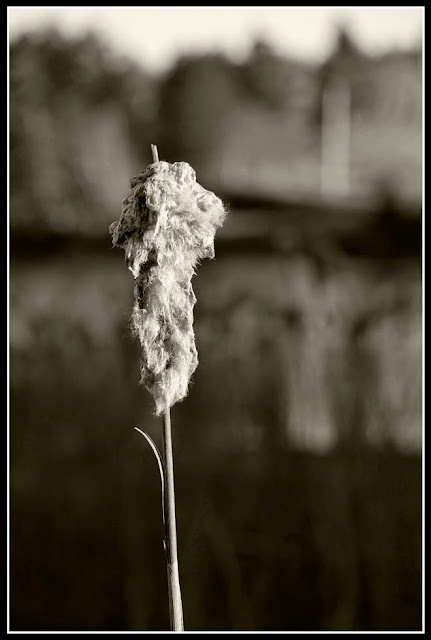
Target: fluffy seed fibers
{"x":167,"y":224}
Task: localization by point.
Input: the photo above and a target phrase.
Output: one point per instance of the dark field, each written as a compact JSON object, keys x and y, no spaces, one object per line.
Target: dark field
{"x":297,"y":452}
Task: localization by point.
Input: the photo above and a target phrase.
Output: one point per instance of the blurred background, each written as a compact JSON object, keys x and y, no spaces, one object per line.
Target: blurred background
{"x":298,"y":451}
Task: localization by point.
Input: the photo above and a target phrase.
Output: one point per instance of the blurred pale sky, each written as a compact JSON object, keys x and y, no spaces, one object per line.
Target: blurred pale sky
{"x":154,"y":36}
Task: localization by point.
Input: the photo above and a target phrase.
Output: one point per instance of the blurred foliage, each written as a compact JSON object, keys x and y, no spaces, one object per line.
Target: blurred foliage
{"x":277,"y":82}
{"x":75,"y":109}
{"x":197,"y":102}
{"x":82,"y":120}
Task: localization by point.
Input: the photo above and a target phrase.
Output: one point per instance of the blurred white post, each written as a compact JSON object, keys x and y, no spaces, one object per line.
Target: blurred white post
{"x":335,"y":141}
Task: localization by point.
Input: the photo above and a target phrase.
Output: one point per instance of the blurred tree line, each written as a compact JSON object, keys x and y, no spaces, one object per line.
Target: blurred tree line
{"x":82,"y":119}
{"x":75,"y":110}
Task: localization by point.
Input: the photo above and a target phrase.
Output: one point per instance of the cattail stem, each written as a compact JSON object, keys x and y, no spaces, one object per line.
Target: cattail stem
{"x":155,"y":153}
{"x":175,"y":603}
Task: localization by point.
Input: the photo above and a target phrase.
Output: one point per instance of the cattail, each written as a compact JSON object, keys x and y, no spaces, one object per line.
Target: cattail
{"x":167,"y":225}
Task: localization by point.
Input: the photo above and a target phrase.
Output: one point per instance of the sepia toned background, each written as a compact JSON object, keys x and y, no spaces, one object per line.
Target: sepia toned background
{"x":298,"y":451}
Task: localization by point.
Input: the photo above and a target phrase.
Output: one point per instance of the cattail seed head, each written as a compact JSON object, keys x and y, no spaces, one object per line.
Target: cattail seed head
{"x":167,"y":224}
